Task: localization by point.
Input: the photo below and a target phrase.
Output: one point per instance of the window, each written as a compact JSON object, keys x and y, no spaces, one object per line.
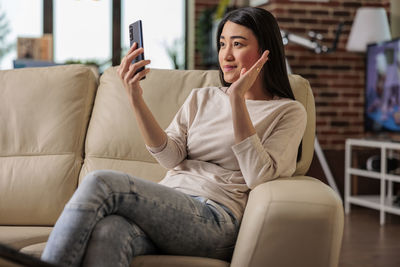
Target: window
{"x":163,"y":30}
{"x":24,"y":19}
{"x":82,"y":31}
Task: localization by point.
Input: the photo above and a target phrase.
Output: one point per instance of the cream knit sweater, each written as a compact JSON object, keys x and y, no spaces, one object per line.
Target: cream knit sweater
{"x":203,"y":159}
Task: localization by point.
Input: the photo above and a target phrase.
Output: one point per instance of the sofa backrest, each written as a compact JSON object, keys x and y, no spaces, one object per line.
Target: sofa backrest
{"x":113,"y":138}
{"x":44,"y":114}
{"x":302,"y":92}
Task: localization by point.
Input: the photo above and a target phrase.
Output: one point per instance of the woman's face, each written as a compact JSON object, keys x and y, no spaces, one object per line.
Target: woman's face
{"x":239,"y":49}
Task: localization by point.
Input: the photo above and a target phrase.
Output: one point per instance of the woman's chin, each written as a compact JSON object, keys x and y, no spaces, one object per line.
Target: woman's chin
{"x":228,"y":78}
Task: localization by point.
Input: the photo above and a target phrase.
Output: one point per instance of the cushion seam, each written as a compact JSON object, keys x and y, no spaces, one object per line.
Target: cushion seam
{"x":116,"y":158}
{"x":37,"y":155}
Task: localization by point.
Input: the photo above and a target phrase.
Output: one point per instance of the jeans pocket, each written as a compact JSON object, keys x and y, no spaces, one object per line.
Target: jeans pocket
{"x":219,"y":213}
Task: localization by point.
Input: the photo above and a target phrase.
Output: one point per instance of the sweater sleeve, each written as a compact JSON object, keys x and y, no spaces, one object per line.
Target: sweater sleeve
{"x":274,"y":156}
{"x":174,"y":151}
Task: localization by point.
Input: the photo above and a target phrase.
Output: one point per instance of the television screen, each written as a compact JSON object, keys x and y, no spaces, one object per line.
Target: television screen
{"x":382,"y":96}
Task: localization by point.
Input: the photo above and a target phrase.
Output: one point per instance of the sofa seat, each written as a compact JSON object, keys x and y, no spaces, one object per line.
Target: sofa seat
{"x":37,"y":246}
{"x":176,"y":261}
{"x":146,"y":261}
{"x":25,"y":239}
{"x":22,"y":236}
{"x":35,"y":250}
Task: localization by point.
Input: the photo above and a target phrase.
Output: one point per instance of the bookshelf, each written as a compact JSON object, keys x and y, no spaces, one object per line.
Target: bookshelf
{"x":382,"y":202}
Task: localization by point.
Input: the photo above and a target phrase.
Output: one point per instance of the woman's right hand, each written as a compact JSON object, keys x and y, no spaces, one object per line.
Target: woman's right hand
{"x":126,"y":72}
{"x":153,"y":134}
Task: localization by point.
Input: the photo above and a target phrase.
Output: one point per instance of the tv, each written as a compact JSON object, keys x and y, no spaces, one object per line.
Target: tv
{"x":382,"y":87}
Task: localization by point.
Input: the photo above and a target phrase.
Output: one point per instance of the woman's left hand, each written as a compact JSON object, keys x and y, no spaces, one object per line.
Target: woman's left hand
{"x":247,"y":77}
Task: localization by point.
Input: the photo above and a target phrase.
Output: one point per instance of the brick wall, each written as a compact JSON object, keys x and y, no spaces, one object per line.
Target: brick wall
{"x":337,"y":79}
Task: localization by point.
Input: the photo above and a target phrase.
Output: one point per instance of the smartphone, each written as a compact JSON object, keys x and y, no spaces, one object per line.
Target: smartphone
{"x":136,"y":36}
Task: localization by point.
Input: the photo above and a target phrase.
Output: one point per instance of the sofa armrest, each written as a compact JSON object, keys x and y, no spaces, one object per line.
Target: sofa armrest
{"x":295,"y":221}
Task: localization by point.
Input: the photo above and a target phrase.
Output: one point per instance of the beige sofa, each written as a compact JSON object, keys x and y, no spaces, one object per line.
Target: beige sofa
{"x":59,"y":123}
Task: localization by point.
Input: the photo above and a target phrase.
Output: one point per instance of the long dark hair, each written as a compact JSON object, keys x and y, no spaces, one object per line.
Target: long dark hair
{"x":266,"y":29}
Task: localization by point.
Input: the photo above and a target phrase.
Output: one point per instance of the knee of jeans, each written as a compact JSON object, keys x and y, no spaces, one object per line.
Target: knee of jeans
{"x":112,"y":227}
{"x":93,"y":184}
{"x":97,"y":177}
{"x":91,"y":179}
{"x":95,"y":174}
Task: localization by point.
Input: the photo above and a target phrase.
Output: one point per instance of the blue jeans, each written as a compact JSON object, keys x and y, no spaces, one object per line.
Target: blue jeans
{"x":113,"y":217}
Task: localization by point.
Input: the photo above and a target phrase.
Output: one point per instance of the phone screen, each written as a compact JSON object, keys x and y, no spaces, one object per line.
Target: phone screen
{"x":136,"y":36}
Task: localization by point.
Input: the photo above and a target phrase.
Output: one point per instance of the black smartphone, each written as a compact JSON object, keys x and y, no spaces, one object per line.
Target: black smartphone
{"x":136,"y":36}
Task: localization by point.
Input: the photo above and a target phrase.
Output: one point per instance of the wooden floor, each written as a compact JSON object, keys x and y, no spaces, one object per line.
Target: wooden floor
{"x":366,"y":243}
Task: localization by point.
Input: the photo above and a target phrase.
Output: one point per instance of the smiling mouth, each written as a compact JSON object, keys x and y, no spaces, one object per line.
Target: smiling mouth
{"x":228,"y":68}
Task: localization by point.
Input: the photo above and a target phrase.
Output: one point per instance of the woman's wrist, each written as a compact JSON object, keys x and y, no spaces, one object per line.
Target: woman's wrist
{"x":236,"y":98}
{"x":136,"y":99}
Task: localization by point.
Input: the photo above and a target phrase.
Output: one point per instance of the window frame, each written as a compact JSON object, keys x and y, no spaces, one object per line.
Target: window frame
{"x":48,"y":19}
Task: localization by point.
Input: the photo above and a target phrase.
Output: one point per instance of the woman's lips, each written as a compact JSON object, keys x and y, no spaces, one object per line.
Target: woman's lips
{"x":228,"y":68}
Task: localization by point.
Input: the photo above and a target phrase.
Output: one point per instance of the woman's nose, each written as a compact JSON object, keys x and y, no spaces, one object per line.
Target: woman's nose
{"x":228,"y":54}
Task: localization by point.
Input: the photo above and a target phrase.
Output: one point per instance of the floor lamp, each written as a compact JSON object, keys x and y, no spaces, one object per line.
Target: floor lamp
{"x":313,"y":44}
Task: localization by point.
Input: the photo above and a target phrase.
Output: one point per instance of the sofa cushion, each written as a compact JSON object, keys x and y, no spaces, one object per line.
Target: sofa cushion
{"x":113,"y":139}
{"x":44,"y":113}
{"x":34,"y":250}
{"x":303,"y":93}
{"x":176,"y":261}
{"x":19,"y":237}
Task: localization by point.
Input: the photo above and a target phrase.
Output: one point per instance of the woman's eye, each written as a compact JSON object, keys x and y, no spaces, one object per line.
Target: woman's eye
{"x":237,"y":44}
{"x":221,"y":44}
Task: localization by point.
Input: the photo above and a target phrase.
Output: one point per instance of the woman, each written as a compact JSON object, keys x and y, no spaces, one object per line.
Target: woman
{"x":221,"y":143}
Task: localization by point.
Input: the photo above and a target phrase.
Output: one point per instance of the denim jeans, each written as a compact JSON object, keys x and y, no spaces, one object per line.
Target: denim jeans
{"x":113,"y":217}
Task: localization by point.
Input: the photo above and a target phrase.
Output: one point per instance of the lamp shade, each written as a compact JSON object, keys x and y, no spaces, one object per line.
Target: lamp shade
{"x":370,"y":26}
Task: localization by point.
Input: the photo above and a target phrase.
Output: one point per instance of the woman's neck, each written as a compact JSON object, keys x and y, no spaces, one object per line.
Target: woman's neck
{"x":258,"y":91}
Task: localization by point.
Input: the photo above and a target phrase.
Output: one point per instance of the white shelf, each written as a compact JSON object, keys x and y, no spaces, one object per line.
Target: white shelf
{"x":384,"y":201}
{"x":374,"y":202}
{"x":365,"y":173}
{"x":392,"y":178}
{"x":376,"y":175}
{"x":373,"y":143}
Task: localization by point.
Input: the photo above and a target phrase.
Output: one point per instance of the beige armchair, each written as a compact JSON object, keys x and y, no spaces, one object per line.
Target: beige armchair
{"x":294,"y":221}
{"x":59,"y":123}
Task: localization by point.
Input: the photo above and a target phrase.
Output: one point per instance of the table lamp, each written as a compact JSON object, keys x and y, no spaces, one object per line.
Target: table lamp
{"x":370,"y":26}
